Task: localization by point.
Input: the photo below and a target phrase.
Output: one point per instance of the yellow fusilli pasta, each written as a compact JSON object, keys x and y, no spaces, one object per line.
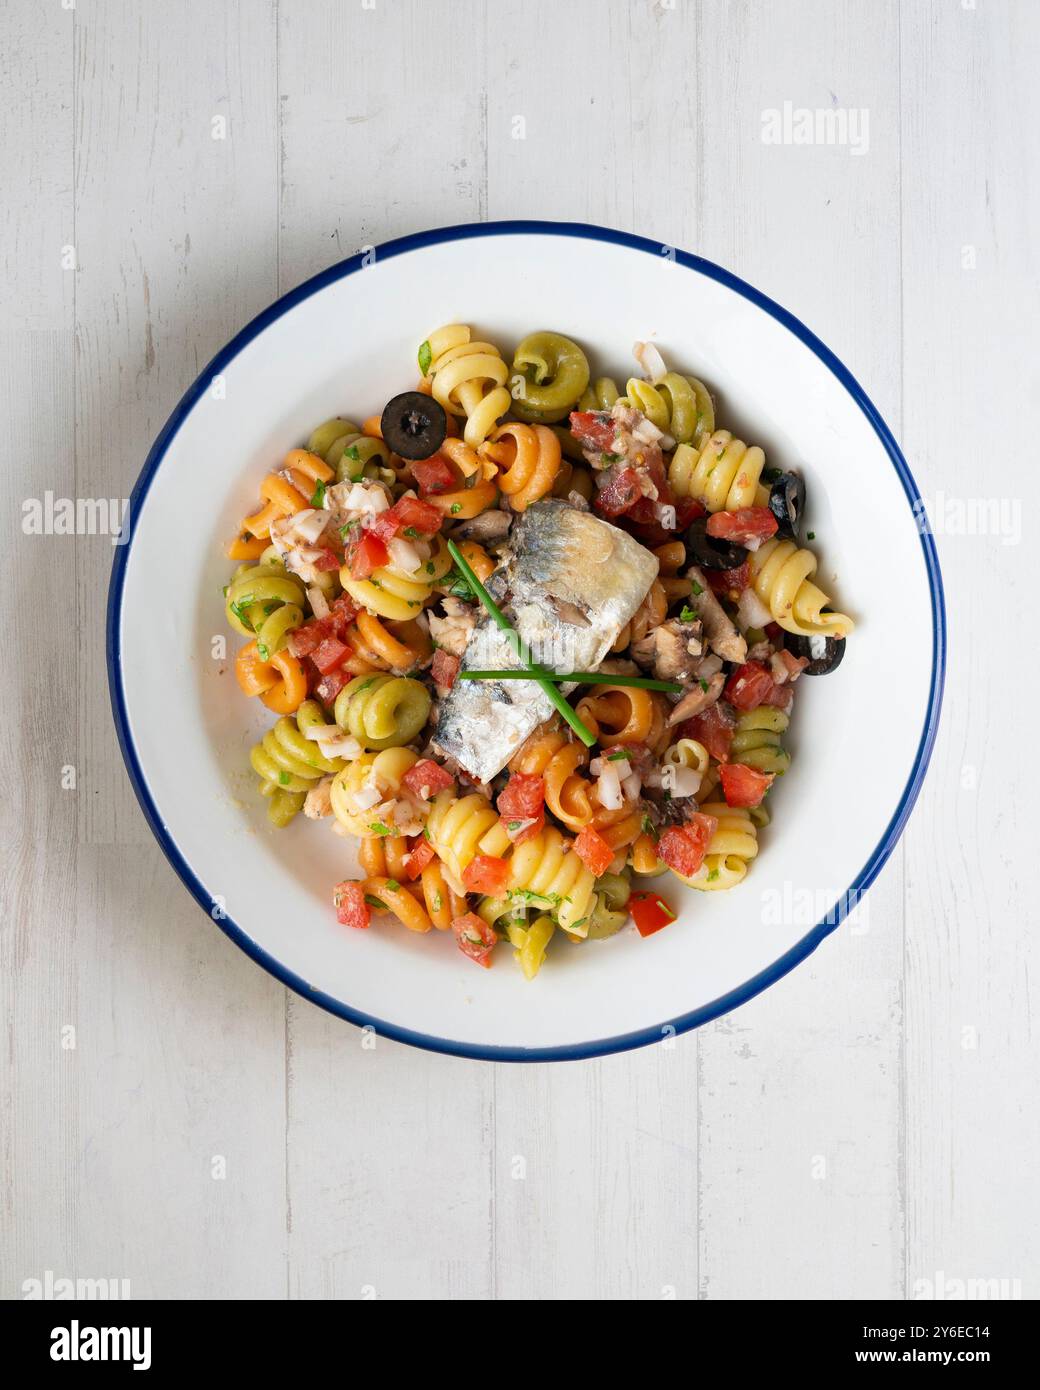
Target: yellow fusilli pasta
{"x":724,"y":474}
{"x":780,"y":573}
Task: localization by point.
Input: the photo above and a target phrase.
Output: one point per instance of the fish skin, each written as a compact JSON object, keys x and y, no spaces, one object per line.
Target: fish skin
{"x":561,"y":560}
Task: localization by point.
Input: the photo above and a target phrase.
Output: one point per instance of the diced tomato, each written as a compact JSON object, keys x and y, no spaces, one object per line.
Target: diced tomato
{"x":419,"y":855}
{"x":593,"y":428}
{"x":642,"y":510}
{"x":683,"y":847}
{"x":781,"y":697}
{"x":594,"y":852}
{"x":329,"y":686}
{"x":327,"y":559}
{"x":309,"y":636}
{"x":744,"y":526}
{"x":522,"y":796}
{"x":366,"y":553}
{"x":486,"y":873}
{"x":407,"y":514}
{"x":619,"y":491}
{"x":444,"y":668}
{"x":749,"y":685}
{"x":475,"y":938}
{"x":351,"y":908}
{"x":330,"y":654}
{"x":713,"y":727}
{"x":433,"y":474}
{"x":649,"y":911}
{"x":729,"y":583}
{"x":743,"y":786}
{"x":426,"y":778}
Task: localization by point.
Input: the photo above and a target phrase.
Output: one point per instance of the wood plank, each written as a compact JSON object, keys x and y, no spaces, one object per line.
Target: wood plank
{"x":971,"y":277}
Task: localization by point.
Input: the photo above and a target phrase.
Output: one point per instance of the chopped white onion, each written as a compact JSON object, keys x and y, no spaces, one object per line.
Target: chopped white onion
{"x":709,"y":666}
{"x":317,"y":732}
{"x":609,"y":786}
{"x":309,"y":525}
{"x":751,"y":611}
{"x":651,"y":361}
{"x":632,"y":785}
{"x":647,"y":433}
{"x":318,"y":602}
{"x":780,"y":669}
{"x":346,"y":747}
{"x":366,"y":797}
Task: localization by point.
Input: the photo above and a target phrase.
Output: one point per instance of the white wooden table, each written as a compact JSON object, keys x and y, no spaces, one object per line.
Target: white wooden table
{"x":171,"y":1115}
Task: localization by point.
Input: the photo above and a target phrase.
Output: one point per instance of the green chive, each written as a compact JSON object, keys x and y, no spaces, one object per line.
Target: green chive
{"x":577,"y":677}
{"x":425,"y":358}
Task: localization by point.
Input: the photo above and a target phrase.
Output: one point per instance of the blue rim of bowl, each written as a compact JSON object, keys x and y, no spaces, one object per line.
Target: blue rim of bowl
{"x":601,"y":1046}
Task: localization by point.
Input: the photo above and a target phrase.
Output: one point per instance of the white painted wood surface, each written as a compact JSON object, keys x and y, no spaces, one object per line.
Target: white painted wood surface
{"x":867,"y":1127}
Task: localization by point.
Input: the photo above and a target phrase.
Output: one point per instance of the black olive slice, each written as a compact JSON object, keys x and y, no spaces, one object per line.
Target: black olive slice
{"x":787,"y":503}
{"x":823,"y":654}
{"x":413,"y":425}
{"x":709,"y":552}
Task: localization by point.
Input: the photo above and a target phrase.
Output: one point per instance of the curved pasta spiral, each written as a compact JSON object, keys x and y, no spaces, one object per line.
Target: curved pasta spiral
{"x":529,"y":456}
{"x":733,"y":845}
{"x":383,"y":711}
{"x":671,"y":558}
{"x":383,"y":770}
{"x":350,"y":452}
{"x":688,"y":752}
{"x":678,"y":405}
{"x":547,"y":868}
{"x":288,"y":763}
{"x":255,"y":596}
{"x":390,"y":593}
{"x":780,"y":573}
{"x":551,"y":374}
{"x":549,"y":754}
{"x":278,"y":677}
{"x":397,"y":647}
{"x":756,"y":740}
{"x":468,"y":380}
{"x":457,"y":825}
{"x":388,"y":895}
{"x":723,"y":474}
{"x":621,"y":714}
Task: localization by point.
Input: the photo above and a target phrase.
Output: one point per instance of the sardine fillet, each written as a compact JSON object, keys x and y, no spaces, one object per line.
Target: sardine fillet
{"x":574,"y":581}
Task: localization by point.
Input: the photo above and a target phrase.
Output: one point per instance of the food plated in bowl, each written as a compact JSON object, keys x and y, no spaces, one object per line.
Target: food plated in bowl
{"x":589,"y":624}
{"x":532,"y":647}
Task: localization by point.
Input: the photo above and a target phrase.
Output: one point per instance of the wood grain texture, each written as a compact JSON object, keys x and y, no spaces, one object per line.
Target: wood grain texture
{"x":863,"y":1125}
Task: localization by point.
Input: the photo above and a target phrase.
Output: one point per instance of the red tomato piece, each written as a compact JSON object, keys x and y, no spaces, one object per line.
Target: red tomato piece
{"x":683,"y":847}
{"x":713,"y":728}
{"x":522,"y":797}
{"x":475,"y":938}
{"x":781,"y":697}
{"x":329,"y":686}
{"x":367,"y":554}
{"x":309,"y":636}
{"x":744,"y":526}
{"x":342,"y":612}
{"x":327,"y":560}
{"x":351,"y":908}
{"x":486,"y":873}
{"x":444,"y":668}
{"x":749,"y":685}
{"x":330,"y":654}
{"x":433,"y":474}
{"x":426,"y":778}
{"x":642,"y":510}
{"x":593,"y":851}
{"x":744,"y":786}
{"x":649,"y":911}
{"x":619,"y":492}
{"x":594,"y":428}
{"x":729,"y":583}
{"x":420,"y":516}
{"x":419,"y":855}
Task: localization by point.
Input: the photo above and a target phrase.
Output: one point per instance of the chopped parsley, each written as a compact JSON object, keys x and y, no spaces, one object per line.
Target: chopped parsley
{"x":425,"y":358}
{"x":318,"y":498}
{"x":263,"y":651}
{"x":649,"y":828}
{"x":456,"y":507}
{"x":703,"y":684}
{"x":811,"y":535}
{"x":438,"y":903}
{"x":352,"y":453}
{"x":284,"y":778}
{"x":713,"y":875}
{"x":514,"y":824}
{"x":393,"y":885}
{"x":687,"y":615}
{"x":622,"y":754}
{"x":611,"y":458}
{"x":579,"y":923}
{"x":378,"y":828}
{"x":697,"y":588}
{"x":411,"y":533}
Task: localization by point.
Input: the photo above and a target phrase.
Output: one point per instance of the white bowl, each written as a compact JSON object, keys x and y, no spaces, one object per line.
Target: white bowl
{"x":343,"y":343}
